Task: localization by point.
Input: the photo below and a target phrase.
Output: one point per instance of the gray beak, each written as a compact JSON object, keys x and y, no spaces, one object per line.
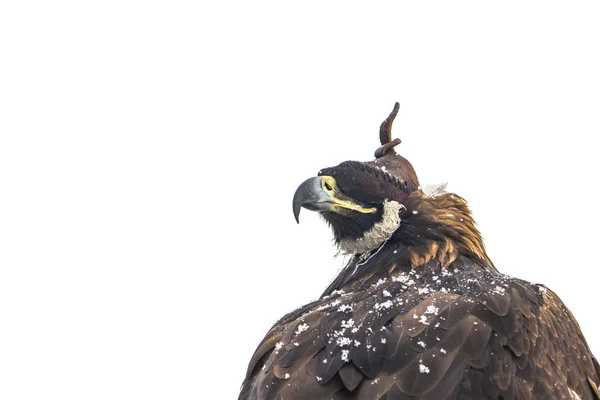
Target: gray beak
{"x":310,"y":195}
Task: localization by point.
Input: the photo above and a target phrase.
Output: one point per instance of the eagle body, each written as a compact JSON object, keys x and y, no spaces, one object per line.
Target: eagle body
{"x":423,"y":314}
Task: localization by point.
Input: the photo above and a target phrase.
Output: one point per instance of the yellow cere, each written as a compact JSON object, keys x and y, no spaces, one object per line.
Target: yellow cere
{"x":329,"y":186}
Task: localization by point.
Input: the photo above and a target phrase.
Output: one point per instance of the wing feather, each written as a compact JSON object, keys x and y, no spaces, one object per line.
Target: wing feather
{"x":480,"y":336}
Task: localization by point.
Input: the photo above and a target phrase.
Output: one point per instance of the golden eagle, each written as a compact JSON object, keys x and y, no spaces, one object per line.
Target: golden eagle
{"x":420,"y":311}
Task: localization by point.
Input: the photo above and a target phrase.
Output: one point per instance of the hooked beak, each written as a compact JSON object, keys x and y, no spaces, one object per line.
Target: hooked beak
{"x":322,"y":194}
{"x":313,"y":196}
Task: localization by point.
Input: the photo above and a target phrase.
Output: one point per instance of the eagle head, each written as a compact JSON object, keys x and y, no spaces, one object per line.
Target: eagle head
{"x":363,"y":202}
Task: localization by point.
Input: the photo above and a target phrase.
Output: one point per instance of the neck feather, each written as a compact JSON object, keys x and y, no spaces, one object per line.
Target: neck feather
{"x":441,"y":228}
{"x":379,"y":233}
{"x":433,"y":231}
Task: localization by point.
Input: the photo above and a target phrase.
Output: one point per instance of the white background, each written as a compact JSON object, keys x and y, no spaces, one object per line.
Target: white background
{"x":149,"y":152}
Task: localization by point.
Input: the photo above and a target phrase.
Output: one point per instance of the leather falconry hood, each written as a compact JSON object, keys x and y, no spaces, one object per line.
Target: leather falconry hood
{"x":397,"y":177}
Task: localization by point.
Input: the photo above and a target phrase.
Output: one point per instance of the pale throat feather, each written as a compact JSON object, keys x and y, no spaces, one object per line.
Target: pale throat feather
{"x":378,"y":234}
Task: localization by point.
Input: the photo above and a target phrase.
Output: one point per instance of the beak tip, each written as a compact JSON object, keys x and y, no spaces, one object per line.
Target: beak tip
{"x":297,"y":213}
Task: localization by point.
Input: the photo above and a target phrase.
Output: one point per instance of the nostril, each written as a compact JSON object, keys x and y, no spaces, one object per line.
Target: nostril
{"x":328,"y":186}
